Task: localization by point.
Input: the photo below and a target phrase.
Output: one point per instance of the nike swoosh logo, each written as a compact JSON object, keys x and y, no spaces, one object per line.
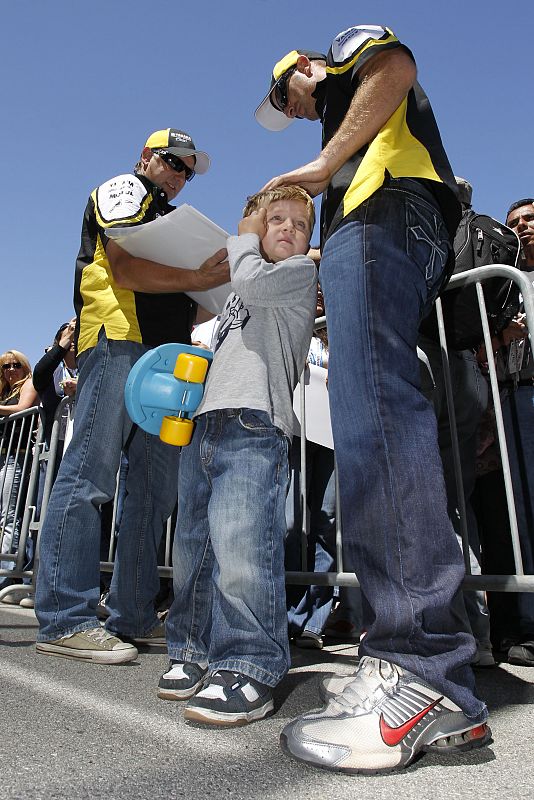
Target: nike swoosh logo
{"x":392,"y":736}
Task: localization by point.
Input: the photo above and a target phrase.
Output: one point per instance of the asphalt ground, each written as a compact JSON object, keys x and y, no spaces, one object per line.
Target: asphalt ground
{"x":76,"y":730}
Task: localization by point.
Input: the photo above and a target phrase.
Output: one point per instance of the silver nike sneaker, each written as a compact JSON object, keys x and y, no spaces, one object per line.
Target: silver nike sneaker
{"x":383,"y":718}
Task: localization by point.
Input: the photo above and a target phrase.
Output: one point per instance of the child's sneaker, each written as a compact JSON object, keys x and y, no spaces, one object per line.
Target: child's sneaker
{"x":181,"y":680}
{"x":229,"y":698}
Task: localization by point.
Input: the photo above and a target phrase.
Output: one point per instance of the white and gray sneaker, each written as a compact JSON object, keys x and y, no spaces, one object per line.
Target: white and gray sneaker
{"x":382,"y":719}
{"x":230,"y":698}
{"x":182,"y":680}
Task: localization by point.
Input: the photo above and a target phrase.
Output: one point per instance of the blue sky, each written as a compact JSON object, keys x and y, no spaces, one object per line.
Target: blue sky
{"x":84,"y":83}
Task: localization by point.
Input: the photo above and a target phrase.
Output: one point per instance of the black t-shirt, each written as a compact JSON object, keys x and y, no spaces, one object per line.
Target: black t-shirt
{"x":126,"y":315}
{"x":407,"y":146}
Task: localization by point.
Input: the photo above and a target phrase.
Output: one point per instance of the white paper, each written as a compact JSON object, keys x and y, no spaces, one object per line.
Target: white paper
{"x":318,"y":427}
{"x":184,"y":238}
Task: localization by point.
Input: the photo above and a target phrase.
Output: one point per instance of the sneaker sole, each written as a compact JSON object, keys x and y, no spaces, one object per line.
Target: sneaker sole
{"x":97,"y":657}
{"x":210,"y":717}
{"x":455,"y":743}
{"x":429,"y":748}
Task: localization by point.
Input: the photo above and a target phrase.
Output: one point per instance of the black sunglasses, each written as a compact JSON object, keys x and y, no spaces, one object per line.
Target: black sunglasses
{"x":177,"y":164}
{"x":280,"y":92}
{"x":12,"y":365}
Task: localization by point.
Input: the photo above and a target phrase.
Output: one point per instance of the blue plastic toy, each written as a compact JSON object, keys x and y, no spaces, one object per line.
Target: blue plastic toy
{"x":164,"y":389}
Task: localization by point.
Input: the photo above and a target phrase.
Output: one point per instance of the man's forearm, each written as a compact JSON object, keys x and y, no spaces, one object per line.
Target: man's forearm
{"x":142,"y":275}
{"x":384,"y":83}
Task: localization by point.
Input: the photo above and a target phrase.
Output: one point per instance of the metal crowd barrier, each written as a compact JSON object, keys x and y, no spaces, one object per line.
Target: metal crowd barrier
{"x":510,"y":583}
{"x":21,"y":439}
{"x":33,"y":453}
{"x":502,"y":583}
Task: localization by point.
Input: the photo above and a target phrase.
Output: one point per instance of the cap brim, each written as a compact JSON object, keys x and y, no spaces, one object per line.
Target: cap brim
{"x":269,"y":117}
{"x":202,"y":160}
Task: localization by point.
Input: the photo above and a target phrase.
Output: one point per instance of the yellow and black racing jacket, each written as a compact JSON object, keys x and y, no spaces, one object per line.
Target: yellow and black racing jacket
{"x":407,"y":146}
{"x":125,"y":315}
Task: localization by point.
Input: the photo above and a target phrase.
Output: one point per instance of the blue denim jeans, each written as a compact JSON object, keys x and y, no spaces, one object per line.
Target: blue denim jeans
{"x":379,"y":274}
{"x":309,"y":607}
{"x":69,"y":573}
{"x":228,"y":554}
{"x":10,"y":480}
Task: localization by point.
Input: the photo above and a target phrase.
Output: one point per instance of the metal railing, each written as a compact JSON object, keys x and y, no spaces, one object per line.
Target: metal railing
{"x":504,"y":583}
{"x":21,"y":440}
{"x":33,"y":453}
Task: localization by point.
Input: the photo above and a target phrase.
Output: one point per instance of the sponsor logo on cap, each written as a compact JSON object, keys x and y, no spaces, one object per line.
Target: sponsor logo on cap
{"x":183,"y":137}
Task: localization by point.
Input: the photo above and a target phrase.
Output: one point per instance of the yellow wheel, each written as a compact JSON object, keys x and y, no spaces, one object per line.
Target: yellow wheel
{"x":176,"y":431}
{"x":190,"y":368}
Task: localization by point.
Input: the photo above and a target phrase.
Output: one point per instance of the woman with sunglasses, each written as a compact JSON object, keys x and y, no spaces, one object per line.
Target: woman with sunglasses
{"x":16,"y":394}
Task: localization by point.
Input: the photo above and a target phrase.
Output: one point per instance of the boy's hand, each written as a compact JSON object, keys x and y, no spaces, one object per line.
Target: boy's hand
{"x":255,"y":223}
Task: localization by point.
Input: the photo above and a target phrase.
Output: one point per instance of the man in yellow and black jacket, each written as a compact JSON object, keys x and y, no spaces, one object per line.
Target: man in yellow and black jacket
{"x":389,"y":213}
{"x":124,"y":305}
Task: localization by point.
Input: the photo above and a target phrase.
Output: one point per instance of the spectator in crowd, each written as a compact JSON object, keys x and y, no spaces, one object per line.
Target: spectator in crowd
{"x":17,"y":393}
{"x":490,"y":506}
{"x":389,"y":213}
{"x":124,"y":306}
{"x":470,"y":393}
{"x":518,"y":413}
{"x":56,"y":376}
{"x":227,"y":627}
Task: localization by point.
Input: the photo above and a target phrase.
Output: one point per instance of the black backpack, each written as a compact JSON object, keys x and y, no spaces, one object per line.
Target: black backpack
{"x":480,"y":241}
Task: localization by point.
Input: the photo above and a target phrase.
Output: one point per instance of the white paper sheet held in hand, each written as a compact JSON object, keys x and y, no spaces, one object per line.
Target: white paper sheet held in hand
{"x":184,"y":238}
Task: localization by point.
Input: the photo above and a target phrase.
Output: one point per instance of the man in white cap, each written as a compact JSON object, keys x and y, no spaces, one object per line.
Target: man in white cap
{"x":124,"y":305}
{"x":388,"y":215}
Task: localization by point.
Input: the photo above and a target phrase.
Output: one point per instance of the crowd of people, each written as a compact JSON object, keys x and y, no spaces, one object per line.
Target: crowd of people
{"x":390,"y":210}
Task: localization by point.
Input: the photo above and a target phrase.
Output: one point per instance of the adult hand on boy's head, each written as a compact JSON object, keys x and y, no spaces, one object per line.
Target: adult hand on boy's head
{"x":314,"y":177}
{"x":256,"y":223}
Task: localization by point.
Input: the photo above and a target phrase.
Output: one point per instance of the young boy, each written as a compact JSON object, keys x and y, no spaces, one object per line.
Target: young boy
{"x":227,"y":627}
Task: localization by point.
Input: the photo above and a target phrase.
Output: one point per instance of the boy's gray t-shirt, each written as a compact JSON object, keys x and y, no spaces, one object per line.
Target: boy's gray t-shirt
{"x":263,"y":337}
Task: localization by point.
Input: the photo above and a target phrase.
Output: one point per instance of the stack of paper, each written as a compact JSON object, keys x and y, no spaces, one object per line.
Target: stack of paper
{"x":184,"y":238}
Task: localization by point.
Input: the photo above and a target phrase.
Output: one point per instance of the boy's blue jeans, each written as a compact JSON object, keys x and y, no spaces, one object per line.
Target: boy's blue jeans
{"x":228,"y":555}
{"x":379,"y":275}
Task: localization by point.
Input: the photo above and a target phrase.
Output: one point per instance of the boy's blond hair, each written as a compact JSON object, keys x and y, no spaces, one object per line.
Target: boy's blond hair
{"x":264,"y":199}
